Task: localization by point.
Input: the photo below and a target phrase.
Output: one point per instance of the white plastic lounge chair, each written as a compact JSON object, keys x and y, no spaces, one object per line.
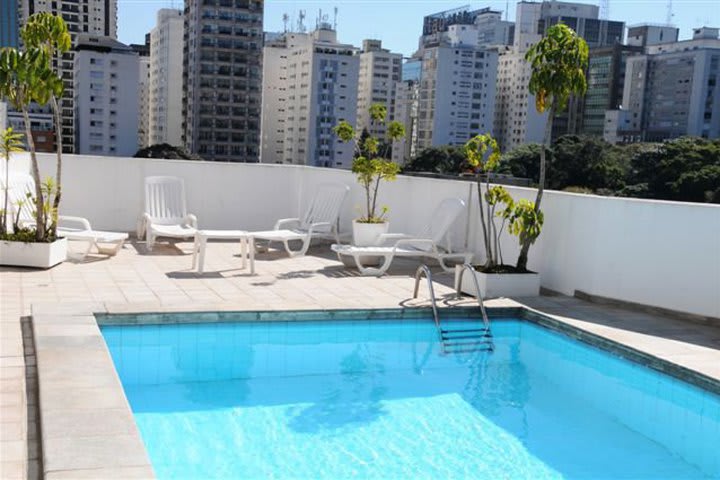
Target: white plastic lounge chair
{"x":320,"y":220}
{"x":165,"y":211}
{"x":72,"y":228}
{"x":427,"y":244}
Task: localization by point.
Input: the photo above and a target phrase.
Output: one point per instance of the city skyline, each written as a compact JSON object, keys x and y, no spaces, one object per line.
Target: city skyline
{"x":137,"y":17}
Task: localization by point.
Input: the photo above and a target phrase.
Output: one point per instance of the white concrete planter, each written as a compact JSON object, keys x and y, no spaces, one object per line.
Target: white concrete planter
{"x":366,"y":234}
{"x":494,"y":285}
{"x":36,"y":255}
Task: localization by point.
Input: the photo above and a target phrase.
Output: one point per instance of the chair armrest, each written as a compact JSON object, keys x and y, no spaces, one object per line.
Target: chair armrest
{"x":283,"y":222}
{"x":191,"y":220}
{"x":391,"y":237}
{"x":83,"y":222}
{"x":418,"y":242}
{"x":318,"y":225}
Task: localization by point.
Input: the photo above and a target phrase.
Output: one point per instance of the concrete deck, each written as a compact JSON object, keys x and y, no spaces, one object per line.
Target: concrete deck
{"x":137,"y":280}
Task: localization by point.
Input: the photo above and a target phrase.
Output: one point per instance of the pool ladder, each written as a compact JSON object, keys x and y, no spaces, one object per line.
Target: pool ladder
{"x":458,"y":340}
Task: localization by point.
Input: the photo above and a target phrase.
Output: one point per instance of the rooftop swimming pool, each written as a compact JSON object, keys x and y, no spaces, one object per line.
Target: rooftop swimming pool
{"x":376,"y":399}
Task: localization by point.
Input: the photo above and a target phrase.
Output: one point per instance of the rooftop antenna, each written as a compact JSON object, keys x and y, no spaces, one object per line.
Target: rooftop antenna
{"x":301,"y":21}
{"x":507,"y":9}
{"x":335,"y":18}
{"x":286,"y":19}
{"x":604,"y":9}
{"x":670,"y":14}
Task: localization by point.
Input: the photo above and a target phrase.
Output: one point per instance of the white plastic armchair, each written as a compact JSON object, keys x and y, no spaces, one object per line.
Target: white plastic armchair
{"x":165,"y":211}
{"x":319,"y":221}
{"x":433,"y":241}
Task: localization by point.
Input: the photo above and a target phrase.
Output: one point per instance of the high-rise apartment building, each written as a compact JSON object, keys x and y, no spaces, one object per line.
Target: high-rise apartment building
{"x":605,"y":84}
{"x":644,"y":35}
{"x":312,"y":86}
{"x":166,"y":73}
{"x":516,"y":119}
{"x":92,"y":17}
{"x":490,"y":28}
{"x":407,"y":103}
{"x":670,"y":91}
{"x":143,"y":51}
{"x":106,"y":102}
{"x":222,"y":78}
{"x":9,"y":24}
{"x":380,"y":72}
{"x":457,"y":86}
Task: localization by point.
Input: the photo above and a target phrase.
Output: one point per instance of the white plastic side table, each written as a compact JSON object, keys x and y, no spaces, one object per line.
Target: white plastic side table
{"x":247,"y":246}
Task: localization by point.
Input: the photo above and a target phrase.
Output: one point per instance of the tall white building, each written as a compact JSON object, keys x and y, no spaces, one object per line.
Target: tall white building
{"x":91,"y":17}
{"x":166,"y":70}
{"x":310,"y":86}
{"x":143,"y":101}
{"x":380,"y":72}
{"x":143,"y":51}
{"x":457,"y":88}
{"x":516,"y":119}
{"x":106,"y":86}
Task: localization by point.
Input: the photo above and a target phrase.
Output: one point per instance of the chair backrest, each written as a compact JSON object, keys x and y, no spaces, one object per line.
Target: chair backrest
{"x":444,"y":216}
{"x":19,"y":186}
{"x":165,"y":200}
{"x":325,"y":205}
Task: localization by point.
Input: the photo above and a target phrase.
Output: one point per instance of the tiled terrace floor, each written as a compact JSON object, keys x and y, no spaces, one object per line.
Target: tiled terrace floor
{"x":137,"y":280}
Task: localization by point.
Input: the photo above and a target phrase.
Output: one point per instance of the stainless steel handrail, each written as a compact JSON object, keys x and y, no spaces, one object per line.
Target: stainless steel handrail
{"x":465,"y":268}
{"x":418,"y":274}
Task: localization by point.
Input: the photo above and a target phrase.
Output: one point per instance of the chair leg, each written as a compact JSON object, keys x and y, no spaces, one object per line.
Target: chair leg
{"x":150,"y":238}
{"x":196,"y":245}
{"x":297,"y":253}
{"x":201,"y":254}
{"x":372,"y":271}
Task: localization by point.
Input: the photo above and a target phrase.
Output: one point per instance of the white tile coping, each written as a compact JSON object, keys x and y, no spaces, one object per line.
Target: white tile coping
{"x":87,"y":426}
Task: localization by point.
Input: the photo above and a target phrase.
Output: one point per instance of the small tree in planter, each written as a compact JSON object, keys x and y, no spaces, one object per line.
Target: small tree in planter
{"x":10,"y":142}
{"x":371,"y":166}
{"x":494,"y":202}
{"x":27,"y":76}
{"x":558,"y":64}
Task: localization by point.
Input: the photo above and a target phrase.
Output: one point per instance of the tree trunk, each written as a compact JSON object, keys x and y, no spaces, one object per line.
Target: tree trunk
{"x":374,"y":198}
{"x":39,"y":201}
{"x":488,"y":253}
{"x":525,"y":248}
{"x":58,"y":171}
{"x":489,"y":220}
{"x":5,"y":209}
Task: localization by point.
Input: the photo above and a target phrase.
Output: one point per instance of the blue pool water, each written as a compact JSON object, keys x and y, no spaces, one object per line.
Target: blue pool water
{"x":375,"y":399}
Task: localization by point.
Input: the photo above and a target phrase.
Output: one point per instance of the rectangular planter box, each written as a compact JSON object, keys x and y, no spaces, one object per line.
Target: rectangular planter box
{"x":36,"y":255}
{"x":493,"y":285}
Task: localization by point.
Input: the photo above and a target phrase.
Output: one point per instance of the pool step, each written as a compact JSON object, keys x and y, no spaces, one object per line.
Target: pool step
{"x":466,"y":340}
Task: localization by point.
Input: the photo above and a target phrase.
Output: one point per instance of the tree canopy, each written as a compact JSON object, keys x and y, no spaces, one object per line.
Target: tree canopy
{"x":684,"y":169}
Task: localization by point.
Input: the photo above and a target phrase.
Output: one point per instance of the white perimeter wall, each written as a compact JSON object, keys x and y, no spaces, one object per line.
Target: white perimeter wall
{"x":665,"y":254}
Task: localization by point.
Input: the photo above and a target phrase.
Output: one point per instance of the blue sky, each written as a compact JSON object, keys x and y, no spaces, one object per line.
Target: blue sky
{"x":398,"y":23}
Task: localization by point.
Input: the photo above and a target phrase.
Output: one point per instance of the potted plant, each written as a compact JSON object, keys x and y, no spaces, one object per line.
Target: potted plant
{"x":27,"y":76}
{"x":558,"y":63}
{"x":495,"y":204}
{"x":371,"y":166}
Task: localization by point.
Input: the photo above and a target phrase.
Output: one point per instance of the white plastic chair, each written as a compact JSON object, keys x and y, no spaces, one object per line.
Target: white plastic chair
{"x":320,"y":220}
{"x":22,"y":189}
{"x":433,"y":241}
{"x":165,"y":211}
